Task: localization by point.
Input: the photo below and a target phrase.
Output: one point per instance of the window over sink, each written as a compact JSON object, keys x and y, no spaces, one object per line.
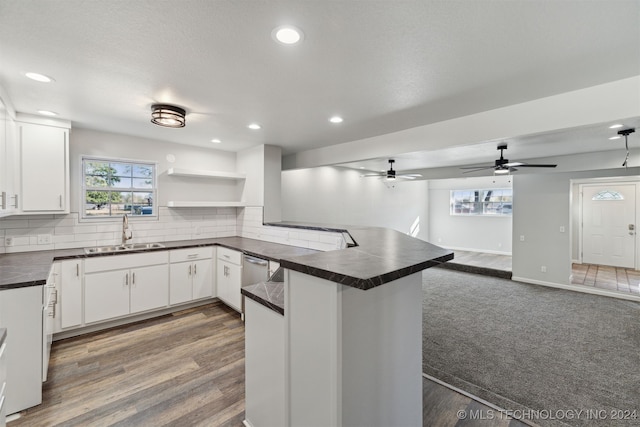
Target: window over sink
{"x":112,"y":188}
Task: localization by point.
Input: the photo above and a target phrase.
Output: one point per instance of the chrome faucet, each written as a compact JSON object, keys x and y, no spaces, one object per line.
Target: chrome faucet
{"x":125,"y":227}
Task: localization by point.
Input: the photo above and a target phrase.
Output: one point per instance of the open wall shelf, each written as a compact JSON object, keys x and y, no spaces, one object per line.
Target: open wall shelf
{"x":196,"y":173}
{"x":195,"y":204}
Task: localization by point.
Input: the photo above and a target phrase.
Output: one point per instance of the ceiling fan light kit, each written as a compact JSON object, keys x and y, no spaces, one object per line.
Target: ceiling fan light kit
{"x":502,"y":166}
{"x":391,"y":174}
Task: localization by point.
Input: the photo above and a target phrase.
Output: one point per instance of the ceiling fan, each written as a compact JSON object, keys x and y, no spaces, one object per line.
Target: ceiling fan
{"x":391,"y":174}
{"x":503,"y":166}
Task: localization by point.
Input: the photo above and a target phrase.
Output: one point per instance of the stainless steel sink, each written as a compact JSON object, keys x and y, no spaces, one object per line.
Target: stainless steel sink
{"x":121,"y":248}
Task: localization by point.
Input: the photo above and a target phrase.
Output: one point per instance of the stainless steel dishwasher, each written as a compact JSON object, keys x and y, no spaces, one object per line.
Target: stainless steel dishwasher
{"x":254,"y":270}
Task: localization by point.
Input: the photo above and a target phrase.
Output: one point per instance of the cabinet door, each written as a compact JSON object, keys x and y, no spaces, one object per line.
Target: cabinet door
{"x":202,"y":278}
{"x":228,"y":279}
{"x":70,"y":296}
{"x":43,"y":151}
{"x":149,"y":288}
{"x":21,"y":314}
{"x":179,"y":282}
{"x":3,"y":156}
{"x":106,"y":295}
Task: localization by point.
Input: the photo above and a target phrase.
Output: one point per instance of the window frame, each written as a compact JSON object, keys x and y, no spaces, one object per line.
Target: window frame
{"x":479,"y":206}
{"x":111,"y":217}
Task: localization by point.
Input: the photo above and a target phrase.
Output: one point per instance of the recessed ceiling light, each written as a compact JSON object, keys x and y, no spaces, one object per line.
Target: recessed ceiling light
{"x":39,"y":77}
{"x":287,"y":34}
{"x":47,"y":113}
{"x":616,"y":126}
{"x":216,"y":141}
{"x":254,"y":126}
{"x":615,"y":137}
{"x":361,"y":167}
{"x":336,"y":119}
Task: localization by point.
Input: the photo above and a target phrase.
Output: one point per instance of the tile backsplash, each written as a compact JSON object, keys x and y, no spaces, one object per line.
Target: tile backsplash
{"x":250,"y":225}
{"x":63,"y":231}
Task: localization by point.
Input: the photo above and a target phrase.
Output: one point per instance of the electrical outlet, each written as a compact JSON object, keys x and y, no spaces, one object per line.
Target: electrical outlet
{"x":522,"y":238}
{"x":562,"y":228}
{"x":543,"y":268}
{"x":44,"y":239}
{"x":8,"y":241}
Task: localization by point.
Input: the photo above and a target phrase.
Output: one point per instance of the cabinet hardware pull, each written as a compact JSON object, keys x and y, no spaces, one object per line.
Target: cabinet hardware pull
{"x":61,"y":200}
{"x":4,"y":200}
{"x":126,"y":281}
{"x":133,"y":279}
{"x":77,"y":270}
{"x":189,"y":270}
{"x":195,"y":269}
{"x":16,"y":200}
{"x":192,"y":256}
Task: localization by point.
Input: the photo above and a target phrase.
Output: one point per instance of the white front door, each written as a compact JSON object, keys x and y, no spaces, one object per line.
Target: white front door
{"x":608,"y":225}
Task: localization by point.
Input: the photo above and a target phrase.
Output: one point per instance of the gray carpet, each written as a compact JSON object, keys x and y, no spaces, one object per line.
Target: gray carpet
{"x":525,"y":346}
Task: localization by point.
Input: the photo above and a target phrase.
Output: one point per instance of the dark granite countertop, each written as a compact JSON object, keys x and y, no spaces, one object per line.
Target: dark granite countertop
{"x":269,"y":294}
{"x":22,"y":269}
{"x":380,"y":255}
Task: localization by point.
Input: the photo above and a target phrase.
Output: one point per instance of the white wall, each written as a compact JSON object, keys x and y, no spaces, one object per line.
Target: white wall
{"x":474,"y":233}
{"x":542,"y":204}
{"x":332,"y":195}
{"x":112,"y":145}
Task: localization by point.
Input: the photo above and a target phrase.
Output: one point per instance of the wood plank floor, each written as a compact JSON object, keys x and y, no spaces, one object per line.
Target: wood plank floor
{"x":182,"y":369}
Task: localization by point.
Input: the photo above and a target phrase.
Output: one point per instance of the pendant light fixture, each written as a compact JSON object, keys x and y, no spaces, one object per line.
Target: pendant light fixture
{"x":626,"y":133}
{"x":168,"y":115}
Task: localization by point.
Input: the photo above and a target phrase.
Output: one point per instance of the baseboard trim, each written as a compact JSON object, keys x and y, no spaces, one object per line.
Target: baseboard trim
{"x":476,"y":398}
{"x":578,"y":288}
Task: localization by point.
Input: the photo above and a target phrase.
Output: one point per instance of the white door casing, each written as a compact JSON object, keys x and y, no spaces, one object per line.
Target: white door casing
{"x":608,"y":225}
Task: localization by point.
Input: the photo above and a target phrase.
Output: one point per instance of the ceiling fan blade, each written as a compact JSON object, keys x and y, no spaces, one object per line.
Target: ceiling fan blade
{"x":372,"y":174}
{"x":524,"y":165}
{"x":406,"y":176}
{"x":412,"y":175}
{"x":477,"y":167}
{"x":513,"y":164}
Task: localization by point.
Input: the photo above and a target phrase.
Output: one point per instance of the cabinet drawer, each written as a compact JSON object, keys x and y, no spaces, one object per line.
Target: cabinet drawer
{"x":230,"y":255}
{"x":180,"y":255}
{"x":117,"y":262}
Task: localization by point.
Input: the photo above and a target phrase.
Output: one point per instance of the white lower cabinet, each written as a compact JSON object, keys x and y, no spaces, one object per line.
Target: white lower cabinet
{"x":264,"y":366}
{"x":229,"y":277}
{"x":70,"y":294}
{"x":112,"y":291}
{"x":3,"y":383}
{"x":21,"y":313}
{"x":191,"y":274}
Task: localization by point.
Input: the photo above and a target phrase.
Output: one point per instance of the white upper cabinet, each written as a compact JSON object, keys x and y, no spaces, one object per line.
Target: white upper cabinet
{"x":44,"y":161}
{"x":7,"y":162}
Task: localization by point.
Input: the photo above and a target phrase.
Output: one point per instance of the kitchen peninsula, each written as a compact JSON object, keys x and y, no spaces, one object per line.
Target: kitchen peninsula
{"x":340,"y":341}
{"x":350,"y":336}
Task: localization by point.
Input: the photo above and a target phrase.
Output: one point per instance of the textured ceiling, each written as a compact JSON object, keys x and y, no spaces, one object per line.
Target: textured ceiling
{"x":383,"y":65}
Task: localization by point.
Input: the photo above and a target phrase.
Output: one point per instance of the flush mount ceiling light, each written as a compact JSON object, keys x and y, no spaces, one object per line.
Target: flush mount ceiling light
{"x":336,"y":119}
{"x":39,"y":77}
{"x":287,"y":34}
{"x":216,"y":141}
{"x":616,"y":126}
{"x":168,"y":115}
{"x":254,"y":126}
